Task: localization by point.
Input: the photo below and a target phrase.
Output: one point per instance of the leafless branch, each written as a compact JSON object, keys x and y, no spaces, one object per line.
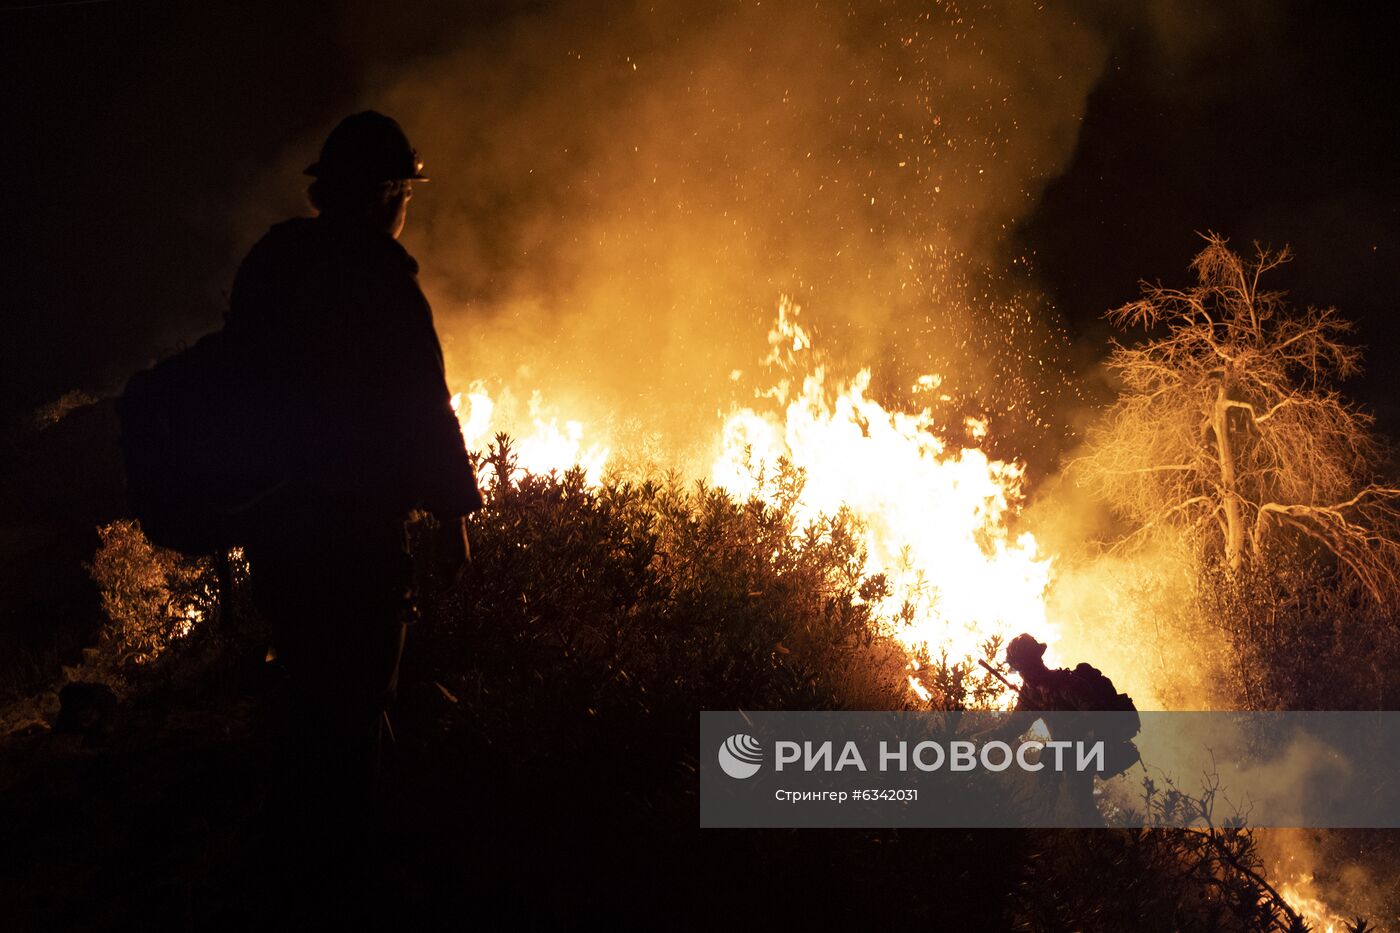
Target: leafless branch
{"x":1228,"y":425}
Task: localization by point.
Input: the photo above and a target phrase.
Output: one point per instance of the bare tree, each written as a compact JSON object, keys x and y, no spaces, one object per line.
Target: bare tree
{"x":1228,"y":425}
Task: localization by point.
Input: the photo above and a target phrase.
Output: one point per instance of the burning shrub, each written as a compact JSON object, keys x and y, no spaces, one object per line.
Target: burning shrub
{"x":912,"y":486}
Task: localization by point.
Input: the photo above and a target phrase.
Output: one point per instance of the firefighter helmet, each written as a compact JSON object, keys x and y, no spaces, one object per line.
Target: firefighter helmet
{"x":367,"y":147}
{"x":1023,"y":652}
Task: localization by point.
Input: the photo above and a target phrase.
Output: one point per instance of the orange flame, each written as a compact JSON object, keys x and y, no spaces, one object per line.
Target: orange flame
{"x":541,"y":444}
{"x":934,"y":519}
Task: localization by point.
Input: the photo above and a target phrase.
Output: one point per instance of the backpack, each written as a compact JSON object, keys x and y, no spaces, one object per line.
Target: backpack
{"x":195,"y":461}
{"x":1098,"y":693}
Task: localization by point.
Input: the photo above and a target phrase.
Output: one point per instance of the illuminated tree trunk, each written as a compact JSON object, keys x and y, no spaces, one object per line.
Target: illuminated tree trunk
{"x":1234,"y":519}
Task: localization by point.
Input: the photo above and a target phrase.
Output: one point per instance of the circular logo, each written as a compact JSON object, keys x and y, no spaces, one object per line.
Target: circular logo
{"x":741,"y":756}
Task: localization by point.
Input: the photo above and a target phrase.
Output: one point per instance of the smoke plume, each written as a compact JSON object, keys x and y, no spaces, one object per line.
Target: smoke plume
{"x":620,"y":195}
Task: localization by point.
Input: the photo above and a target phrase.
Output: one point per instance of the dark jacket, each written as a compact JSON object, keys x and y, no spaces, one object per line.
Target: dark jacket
{"x":346,"y":373}
{"x":1056,"y":689}
{"x":1053,"y":696}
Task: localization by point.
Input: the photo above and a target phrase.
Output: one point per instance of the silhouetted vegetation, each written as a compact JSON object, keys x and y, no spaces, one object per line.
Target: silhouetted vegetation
{"x":1300,"y":638}
{"x":545,"y":763}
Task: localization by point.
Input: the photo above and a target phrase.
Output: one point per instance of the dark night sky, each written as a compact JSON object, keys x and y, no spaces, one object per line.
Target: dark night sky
{"x":1286,"y":138}
{"x":129,"y":124}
